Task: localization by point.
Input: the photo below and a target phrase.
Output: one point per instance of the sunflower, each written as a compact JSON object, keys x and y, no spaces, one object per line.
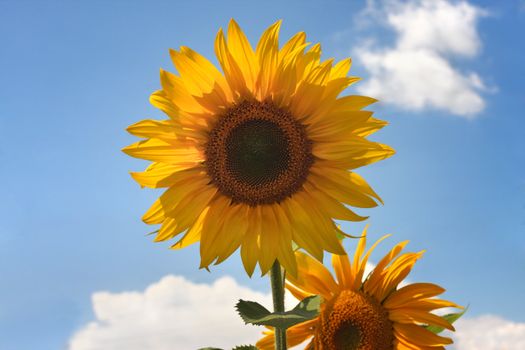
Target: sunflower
{"x":259,"y":155}
{"x":374,"y":314}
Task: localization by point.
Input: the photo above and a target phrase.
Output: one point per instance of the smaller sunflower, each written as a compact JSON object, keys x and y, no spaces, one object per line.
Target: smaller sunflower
{"x":374,"y":314}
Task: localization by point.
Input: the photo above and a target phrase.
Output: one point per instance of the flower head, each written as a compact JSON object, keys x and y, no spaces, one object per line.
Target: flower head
{"x":372,"y":313}
{"x":259,"y":155}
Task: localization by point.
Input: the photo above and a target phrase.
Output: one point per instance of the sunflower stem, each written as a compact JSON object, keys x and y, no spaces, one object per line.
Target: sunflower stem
{"x":277,"y":283}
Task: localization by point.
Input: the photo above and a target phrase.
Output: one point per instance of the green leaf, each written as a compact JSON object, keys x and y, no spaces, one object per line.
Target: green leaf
{"x":245,"y":347}
{"x":451,"y":318}
{"x":250,"y":311}
{"x":255,"y":313}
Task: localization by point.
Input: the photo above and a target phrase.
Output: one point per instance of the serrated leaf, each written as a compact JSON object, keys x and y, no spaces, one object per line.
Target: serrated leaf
{"x":251,"y":310}
{"x":245,"y":347}
{"x":451,"y":318}
{"x":255,"y":313}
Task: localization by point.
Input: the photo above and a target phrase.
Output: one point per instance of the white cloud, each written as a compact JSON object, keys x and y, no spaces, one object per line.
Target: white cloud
{"x":173,"y":313}
{"x":489,"y":332}
{"x":416,"y":72}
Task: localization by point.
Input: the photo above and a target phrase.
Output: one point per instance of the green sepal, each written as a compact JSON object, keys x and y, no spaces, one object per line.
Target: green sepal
{"x":254,"y":313}
{"x":339,"y":235}
{"x":342,"y":235}
{"x":451,"y":318}
{"x":152,"y":233}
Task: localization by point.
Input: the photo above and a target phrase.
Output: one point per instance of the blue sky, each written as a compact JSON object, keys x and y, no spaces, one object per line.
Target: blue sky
{"x":76,"y":74}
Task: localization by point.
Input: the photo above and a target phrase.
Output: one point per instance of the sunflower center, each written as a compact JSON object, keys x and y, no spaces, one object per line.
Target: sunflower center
{"x":354,"y":321}
{"x":258,"y":153}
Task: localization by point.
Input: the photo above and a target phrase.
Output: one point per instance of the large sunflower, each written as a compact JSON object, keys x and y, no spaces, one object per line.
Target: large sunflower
{"x":259,"y":155}
{"x":374,"y":314}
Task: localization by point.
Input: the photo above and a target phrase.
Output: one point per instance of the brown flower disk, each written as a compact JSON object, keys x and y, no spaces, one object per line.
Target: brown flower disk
{"x":258,"y":153}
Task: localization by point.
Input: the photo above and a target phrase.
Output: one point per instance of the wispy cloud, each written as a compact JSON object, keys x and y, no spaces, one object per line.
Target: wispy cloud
{"x":416,"y":72}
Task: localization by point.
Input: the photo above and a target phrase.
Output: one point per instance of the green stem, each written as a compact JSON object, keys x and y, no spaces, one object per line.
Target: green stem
{"x":277,"y":282}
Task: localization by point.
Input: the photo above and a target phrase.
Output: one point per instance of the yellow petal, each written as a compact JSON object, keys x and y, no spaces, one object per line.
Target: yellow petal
{"x":310,"y":91}
{"x":160,"y":151}
{"x":285,"y":252}
{"x":362,"y":265}
{"x":159,"y":175}
{"x":189,"y":209}
{"x":200,"y":75}
{"x":353,"y":103}
{"x":175,"y":92}
{"x":285,"y":80}
{"x":313,"y":277}
{"x":352,"y":153}
{"x":332,"y":89}
{"x":269,"y":238}
{"x":234,"y":229}
{"x":303,"y":231}
{"x":344,"y":186}
{"x":298,"y":293}
{"x":402,"y":344}
{"x":414,"y":316}
{"x":168,"y":131}
{"x":268,"y":56}
{"x":373,"y":283}
{"x":341,"y":69}
{"x":356,"y":266}
{"x":211,"y":229}
{"x":295,"y":335}
{"x":249,"y":247}
{"x":193,"y":235}
{"x":343,"y":270}
{"x":430,"y":304}
{"x":336,"y":123}
{"x":419,"y":335}
{"x":297,"y":41}
{"x":412,"y":291}
{"x":320,"y":75}
{"x":186,"y":184}
{"x":397,"y":272}
{"x":318,"y":230}
{"x":309,"y":61}
{"x":331,"y":206}
{"x":231,"y":69}
{"x":243,"y":54}
{"x":160,"y":100}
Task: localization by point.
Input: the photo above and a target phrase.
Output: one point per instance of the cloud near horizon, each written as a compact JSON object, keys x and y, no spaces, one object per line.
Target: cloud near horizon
{"x":176,"y":313}
{"x":417,"y":71}
{"x":173,"y":313}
